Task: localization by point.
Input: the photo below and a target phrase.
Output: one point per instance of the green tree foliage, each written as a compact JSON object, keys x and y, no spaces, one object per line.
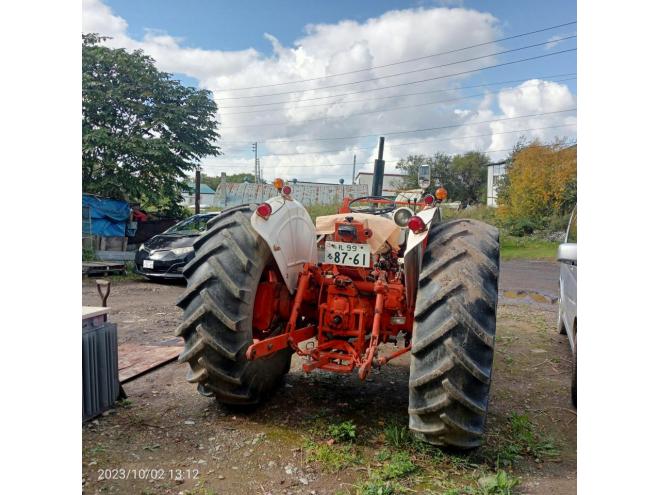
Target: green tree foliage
{"x":143,"y":132}
{"x":464,"y":176}
{"x":470,"y":176}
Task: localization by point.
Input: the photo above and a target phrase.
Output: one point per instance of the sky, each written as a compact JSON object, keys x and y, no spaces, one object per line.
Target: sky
{"x":316,"y":83}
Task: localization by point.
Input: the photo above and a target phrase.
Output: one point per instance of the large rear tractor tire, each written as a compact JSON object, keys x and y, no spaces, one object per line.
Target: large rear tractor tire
{"x":454,"y":334}
{"x":222,"y":279}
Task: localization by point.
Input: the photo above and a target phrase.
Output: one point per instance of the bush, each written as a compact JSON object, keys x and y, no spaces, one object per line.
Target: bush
{"x":521,"y":227}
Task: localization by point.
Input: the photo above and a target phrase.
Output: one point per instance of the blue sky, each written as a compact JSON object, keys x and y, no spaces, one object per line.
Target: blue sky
{"x":224,"y":45}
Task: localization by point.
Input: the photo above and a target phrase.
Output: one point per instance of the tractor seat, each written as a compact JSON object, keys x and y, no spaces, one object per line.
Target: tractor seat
{"x":385,"y":231}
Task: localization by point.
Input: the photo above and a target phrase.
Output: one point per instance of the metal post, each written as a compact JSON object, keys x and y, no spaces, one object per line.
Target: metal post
{"x":198,"y":181}
{"x":379,"y":170}
{"x":223,"y":186}
{"x":353,"y":178}
{"x":256,"y":164}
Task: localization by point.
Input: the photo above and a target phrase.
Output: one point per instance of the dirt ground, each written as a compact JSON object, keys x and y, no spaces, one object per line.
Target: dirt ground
{"x":167,"y":438}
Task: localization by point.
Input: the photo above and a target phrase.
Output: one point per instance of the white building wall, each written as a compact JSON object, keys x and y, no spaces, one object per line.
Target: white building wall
{"x":495,"y":175}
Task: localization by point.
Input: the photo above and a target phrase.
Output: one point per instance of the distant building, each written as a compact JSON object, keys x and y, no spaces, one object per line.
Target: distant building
{"x":496,"y":172}
{"x":206,"y":195}
{"x":391,"y":182}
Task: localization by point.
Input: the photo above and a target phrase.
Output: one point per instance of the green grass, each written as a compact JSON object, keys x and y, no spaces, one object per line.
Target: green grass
{"x":345,"y":431}
{"x":514,"y":248}
{"x":332,"y":458}
{"x":379,"y":487}
{"x":521,"y":439}
{"x":399,"y":465}
{"x":501,"y":483}
{"x":398,"y":436}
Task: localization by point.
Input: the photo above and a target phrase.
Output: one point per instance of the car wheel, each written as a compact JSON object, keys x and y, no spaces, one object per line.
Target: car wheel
{"x":574,"y":374}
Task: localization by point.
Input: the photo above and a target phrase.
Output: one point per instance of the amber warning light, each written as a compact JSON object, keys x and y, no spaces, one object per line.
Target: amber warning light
{"x":441,"y":194}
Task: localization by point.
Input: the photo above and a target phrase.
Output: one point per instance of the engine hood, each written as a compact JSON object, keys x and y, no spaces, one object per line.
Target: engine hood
{"x":165,"y":241}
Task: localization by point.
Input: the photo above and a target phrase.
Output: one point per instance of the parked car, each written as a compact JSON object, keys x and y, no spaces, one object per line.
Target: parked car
{"x":164,"y":255}
{"x":567,"y":318}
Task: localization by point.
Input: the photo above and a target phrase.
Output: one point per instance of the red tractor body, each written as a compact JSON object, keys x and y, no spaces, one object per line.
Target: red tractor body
{"x":353,"y":309}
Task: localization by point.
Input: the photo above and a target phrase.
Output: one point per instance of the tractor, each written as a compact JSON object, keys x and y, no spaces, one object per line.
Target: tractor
{"x":266,"y":282}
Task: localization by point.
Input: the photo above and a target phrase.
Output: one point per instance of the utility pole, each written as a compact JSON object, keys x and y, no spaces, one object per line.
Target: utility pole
{"x":198,"y":181}
{"x":258,"y":171}
{"x":379,"y":170}
{"x":256,"y":161}
{"x":353,"y":179}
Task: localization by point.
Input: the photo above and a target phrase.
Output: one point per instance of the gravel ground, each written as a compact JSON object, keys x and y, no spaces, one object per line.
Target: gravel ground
{"x":166,"y":430}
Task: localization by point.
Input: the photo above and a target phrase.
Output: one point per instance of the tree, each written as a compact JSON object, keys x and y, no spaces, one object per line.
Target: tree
{"x":143,"y":132}
{"x":410,"y":168}
{"x":213,"y":181}
{"x":464,"y":176}
{"x":542,"y":182}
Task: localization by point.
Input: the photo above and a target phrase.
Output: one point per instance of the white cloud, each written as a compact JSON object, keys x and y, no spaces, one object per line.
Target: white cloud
{"x":342,"y":47}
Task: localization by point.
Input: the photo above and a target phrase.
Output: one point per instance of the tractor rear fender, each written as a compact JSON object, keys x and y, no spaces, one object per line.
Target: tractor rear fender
{"x":290,"y":235}
{"x":412,"y":258}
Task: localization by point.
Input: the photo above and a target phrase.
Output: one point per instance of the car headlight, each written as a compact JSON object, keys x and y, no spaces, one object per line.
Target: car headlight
{"x":182,"y":251}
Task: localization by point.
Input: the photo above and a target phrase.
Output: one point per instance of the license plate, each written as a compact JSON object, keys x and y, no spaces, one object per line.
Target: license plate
{"x":148,"y":264}
{"x":347,"y":254}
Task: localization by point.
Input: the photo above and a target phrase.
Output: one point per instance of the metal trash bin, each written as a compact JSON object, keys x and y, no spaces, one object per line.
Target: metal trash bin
{"x":100,"y":387}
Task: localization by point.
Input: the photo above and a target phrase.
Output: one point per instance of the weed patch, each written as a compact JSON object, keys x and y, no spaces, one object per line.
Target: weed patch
{"x":332,"y":458}
{"x":346,"y":431}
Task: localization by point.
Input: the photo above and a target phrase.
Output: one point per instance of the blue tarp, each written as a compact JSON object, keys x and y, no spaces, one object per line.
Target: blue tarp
{"x":109,"y":216}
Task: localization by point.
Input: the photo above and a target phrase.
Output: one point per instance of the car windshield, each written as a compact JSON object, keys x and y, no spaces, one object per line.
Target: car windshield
{"x":190,"y":226}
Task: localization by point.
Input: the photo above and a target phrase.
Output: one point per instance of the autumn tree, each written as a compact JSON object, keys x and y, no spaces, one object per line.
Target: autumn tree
{"x":541,"y":182}
{"x":142,"y":131}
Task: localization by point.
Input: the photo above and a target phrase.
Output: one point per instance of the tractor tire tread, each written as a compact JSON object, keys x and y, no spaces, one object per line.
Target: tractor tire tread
{"x":217,"y":308}
{"x":453,"y":340}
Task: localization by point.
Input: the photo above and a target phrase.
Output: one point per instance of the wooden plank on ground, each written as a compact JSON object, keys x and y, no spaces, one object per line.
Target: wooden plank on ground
{"x":135,"y":359}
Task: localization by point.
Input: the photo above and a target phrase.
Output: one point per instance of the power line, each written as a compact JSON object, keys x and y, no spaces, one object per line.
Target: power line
{"x":407,"y":60}
{"x":392,"y":96}
{"x":350,"y":150}
{"x":392,"y":133}
{"x":382,"y":110}
{"x":351,"y":164}
{"x":447,"y":75}
{"x":395,"y":96}
{"x":399,"y":73}
{"x":391,"y":159}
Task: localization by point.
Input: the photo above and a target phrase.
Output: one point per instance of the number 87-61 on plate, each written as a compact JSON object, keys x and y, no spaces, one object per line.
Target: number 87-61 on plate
{"x":347,"y":254}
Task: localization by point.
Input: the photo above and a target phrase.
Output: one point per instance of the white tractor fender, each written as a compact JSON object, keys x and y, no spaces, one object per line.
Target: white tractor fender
{"x":429,"y":216}
{"x":412,"y":258}
{"x":290,"y":235}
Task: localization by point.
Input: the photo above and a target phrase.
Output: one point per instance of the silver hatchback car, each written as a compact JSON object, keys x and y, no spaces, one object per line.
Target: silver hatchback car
{"x":567,"y":318}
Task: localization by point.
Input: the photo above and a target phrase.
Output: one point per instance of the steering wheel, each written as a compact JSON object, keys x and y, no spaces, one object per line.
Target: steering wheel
{"x":379,"y":205}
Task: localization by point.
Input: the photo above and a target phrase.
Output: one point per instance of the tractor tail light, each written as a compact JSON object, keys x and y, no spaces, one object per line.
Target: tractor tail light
{"x":416,"y":224}
{"x":428,"y":199}
{"x":264,"y":210}
{"x":286,"y":190}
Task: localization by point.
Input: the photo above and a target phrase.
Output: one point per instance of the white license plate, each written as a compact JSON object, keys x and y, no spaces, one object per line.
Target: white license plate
{"x":148,"y":264}
{"x":347,"y":254}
